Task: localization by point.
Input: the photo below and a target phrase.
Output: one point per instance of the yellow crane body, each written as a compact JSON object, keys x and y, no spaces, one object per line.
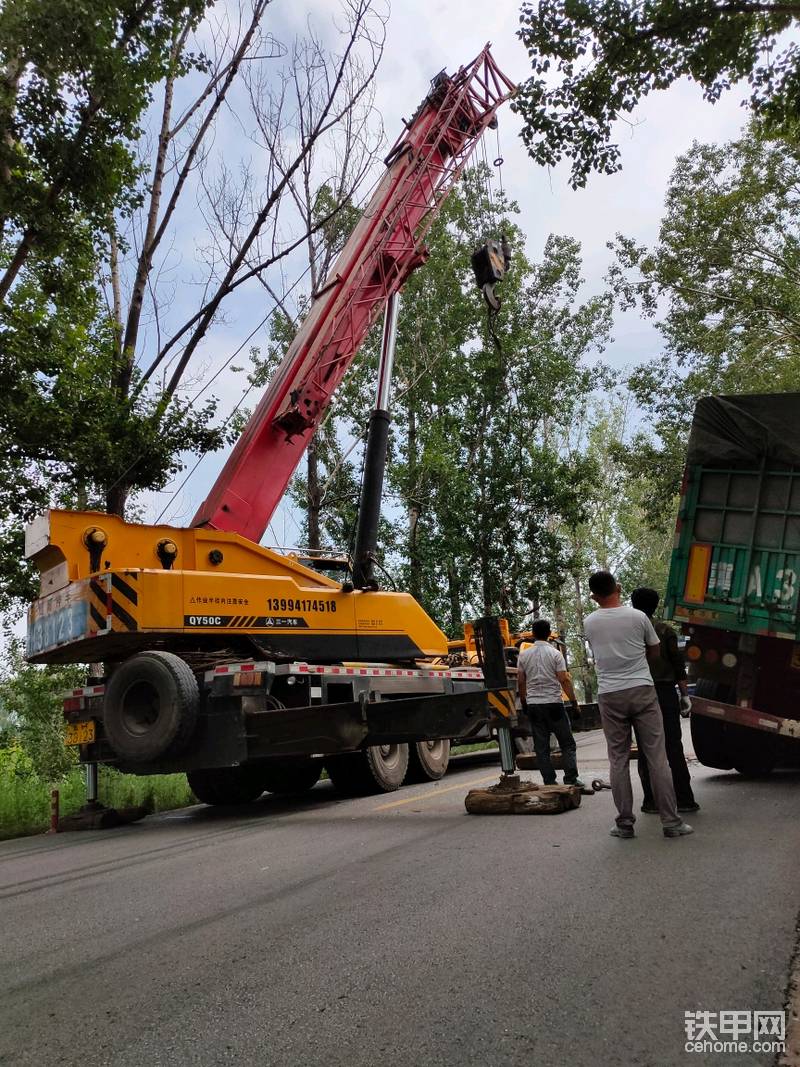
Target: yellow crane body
{"x":110,"y":588}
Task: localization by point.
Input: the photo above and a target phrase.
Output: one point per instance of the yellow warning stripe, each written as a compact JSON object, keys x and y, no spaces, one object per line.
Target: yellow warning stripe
{"x":113,"y":603}
{"x":503,"y":702}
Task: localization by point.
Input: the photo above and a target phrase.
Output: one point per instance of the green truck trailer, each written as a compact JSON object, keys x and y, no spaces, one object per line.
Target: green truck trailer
{"x":735,"y":578}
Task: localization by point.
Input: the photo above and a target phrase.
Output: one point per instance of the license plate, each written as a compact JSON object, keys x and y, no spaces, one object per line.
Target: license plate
{"x":79,"y":733}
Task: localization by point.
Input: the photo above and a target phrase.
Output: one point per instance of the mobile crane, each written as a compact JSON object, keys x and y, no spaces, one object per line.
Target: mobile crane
{"x":232,"y":662}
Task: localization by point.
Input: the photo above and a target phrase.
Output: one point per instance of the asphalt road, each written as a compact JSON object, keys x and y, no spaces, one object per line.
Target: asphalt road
{"x":398,"y":930}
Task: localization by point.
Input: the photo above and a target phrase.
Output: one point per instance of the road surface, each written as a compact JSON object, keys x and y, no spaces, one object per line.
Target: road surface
{"x":399,"y":930}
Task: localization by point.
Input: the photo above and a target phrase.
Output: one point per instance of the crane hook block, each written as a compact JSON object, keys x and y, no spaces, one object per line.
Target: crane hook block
{"x":490,"y":264}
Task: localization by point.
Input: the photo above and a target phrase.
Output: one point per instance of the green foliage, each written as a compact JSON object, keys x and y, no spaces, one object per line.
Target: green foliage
{"x":30,"y":697}
{"x":723,"y":280}
{"x":607,"y":55}
{"x":25,"y":797}
{"x":74,"y":83}
{"x":482,"y":459}
{"x":34,"y":758}
{"x":74,"y":440}
{"x":478,"y":488}
{"x":76,"y":79}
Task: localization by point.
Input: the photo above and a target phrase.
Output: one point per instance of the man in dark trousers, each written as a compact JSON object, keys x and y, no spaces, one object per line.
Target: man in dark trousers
{"x":668,"y":670}
{"x":622,"y":641}
{"x":541,"y":676}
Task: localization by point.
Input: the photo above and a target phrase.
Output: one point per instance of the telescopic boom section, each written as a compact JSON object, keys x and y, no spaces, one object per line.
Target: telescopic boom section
{"x":383,"y":250}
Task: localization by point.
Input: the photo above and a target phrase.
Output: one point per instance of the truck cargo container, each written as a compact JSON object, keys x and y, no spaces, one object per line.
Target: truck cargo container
{"x":735,"y":576}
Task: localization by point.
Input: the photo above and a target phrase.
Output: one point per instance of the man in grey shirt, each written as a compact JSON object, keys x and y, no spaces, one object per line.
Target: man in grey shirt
{"x":541,"y":676}
{"x":622,"y":640}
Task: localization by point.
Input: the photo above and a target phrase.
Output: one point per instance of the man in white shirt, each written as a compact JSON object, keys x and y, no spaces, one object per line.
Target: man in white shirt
{"x":541,"y":676}
{"x":622,"y":641}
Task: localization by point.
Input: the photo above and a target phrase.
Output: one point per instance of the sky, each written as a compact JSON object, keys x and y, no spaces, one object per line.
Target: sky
{"x":424,"y":36}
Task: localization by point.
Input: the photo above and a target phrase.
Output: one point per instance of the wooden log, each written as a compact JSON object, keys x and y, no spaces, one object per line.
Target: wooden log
{"x":525,"y":798}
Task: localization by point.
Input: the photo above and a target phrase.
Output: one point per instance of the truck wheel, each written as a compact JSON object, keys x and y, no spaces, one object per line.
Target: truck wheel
{"x":150,"y":707}
{"x":290,"y":776}
{"x":709,"y":743}
{"x":428,"y":760}
{"x":378,"y":769}
{"x":754,"y":753}
{"x":227,"y":785}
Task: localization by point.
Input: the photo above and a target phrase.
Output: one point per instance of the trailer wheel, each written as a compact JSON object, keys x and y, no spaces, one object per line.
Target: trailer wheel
{"x":709,"y":738}
{"x":227,"y":785}
{"x":754,"y":754}
{"x":150,"y":707}
{"x":378,"y":769}
{"x":709,"y":743}
{"x":290,"y":776}
{"x":428,"y":760}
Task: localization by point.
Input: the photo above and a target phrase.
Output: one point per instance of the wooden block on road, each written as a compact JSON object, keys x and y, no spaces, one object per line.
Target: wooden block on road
{"x":526,"y":798}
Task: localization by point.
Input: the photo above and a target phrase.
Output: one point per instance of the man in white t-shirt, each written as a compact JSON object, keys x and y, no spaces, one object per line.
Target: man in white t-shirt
{"x":541,"y":676}
{"x":622,"y":641}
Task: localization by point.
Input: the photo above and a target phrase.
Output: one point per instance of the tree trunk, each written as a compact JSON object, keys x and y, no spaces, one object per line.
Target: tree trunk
{"x":414,"y":563}
{"x":454,"y":592}
{"x":314,"y":494}
{"x":116,"y":499}
{"x":536,"y":604}
{"x":486,"y":580}
{"x":583,"y":665}
{"x":558,"y":615}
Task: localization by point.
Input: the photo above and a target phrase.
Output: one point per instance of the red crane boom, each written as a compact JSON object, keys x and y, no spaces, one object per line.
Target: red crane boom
{"x":383,"y":250}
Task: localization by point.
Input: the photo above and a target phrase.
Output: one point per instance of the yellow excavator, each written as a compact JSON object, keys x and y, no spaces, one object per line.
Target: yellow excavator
{"x":240,"y":665}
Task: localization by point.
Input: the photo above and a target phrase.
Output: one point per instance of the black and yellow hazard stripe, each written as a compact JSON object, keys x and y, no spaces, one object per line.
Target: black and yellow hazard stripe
{"x":503,"y":702}
{"x":114,"y":602}
{"x":124,"y":601}
{"x":98,"y":604}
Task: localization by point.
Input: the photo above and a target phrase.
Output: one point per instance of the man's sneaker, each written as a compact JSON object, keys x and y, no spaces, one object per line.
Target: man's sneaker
{"x":648,"y":809}
{"x":688,"y":807}
{"x":622,"y":831}
{"x":681,"y":830}
{"x":579,"y":782}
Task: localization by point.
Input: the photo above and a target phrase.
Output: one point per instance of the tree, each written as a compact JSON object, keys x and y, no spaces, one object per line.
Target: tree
{"x":95,"y":349}
{"x":615,"y":532}
{"x":609,"y":54}
{"x":722,"y":283}
{"x":73,"y":86}
{"x":475,"y":469}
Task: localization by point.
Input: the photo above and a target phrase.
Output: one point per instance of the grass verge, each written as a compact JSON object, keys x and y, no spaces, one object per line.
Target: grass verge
{"x":25,"y":799}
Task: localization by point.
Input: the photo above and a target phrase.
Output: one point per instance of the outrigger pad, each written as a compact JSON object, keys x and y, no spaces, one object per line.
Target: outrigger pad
{"x":97,"y":817}
{"x":513,"y":797}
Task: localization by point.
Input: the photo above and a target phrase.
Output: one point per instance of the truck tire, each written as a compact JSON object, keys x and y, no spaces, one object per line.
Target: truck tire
{"x":378,"y":769}
{"x":754,"y":754}
{"x":708,"y":741}
{"x":227,"y":785}
{"x":290,"y":776}
{"x":428,"y":760}
{"x":150,"y":707}
{"x":709,"y":736}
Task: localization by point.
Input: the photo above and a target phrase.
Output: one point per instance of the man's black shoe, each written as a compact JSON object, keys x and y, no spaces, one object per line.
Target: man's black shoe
{"x":688,"y":807}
